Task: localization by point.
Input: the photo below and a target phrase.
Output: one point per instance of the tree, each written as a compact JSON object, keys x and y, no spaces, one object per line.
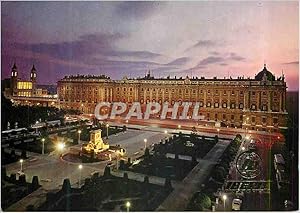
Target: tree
{"x":201,"y":202}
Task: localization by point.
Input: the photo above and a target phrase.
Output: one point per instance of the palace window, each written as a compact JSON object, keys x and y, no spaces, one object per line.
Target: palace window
{"x":253,"y":119}
{"x":224,"y":105}
{"x":241,"y":106}
{"x":232,"y":105}
{"x":224,"y":116}
{"x":275,"y":120}
{"x":208,"y":91}
{"x":253,"y":107}
{"x":241,"y":93}
{"x":264,"y":120}
{"x":232,"y":92}
{"x":201,"y":103}
{"x":264,"y":107}
{"x":232,"y":117}
{"x":253,"y":93}
{"x":216,"y":105}
{"x":208,"y":104}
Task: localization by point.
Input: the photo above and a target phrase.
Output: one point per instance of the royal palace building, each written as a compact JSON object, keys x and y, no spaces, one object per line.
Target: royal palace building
{"x":257,"y":103}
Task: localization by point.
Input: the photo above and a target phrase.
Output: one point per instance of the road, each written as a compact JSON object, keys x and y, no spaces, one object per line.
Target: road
{"x":189,"y":124}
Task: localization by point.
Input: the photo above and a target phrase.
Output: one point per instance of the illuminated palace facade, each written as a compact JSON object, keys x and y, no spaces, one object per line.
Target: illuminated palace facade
{"x":253,"y":104}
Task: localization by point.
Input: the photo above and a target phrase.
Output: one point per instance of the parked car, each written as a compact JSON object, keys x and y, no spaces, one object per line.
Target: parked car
{"x":236,"y":204}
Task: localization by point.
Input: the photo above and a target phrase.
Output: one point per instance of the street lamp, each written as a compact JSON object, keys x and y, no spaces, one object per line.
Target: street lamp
{"x":107,"y":125}
{"x":128,"y":204}
{"x":21,"y":162}
{"x":145,"y":141}
{"x":80,"y":168}
{"x":43,"y":146}
{"x":243,"y":148}
{"x":166,"y":132}
{"x":79,"y":132}
{"x":60,"y":147}
{"x":218,"y":132}
{"x":224,"y":201}
{"x":179,"y":126}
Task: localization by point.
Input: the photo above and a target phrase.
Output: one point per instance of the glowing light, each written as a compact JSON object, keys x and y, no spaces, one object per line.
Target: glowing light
{"x":166,"y":132}
{"x":79,"y":131}
{"x":107,"y":125}
{"x":179,"y":126}
{"x":243,"y":148}
{"x":145,"y":140}
{"x":80,"y":166}
{"x":21,"y":160}
{"x":224,"y":197}
{"x":43,"y":139}
{"x":60,"y":146}
{"x":128,"y":204}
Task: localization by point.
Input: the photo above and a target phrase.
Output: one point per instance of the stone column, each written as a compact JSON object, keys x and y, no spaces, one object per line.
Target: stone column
{"x":280,"y":102}
{"x":204,"y":104}
{"x":228,"y":99}
{"x":269,"y":100}
{"x":237,"y":99}
{"x":245,"y":101}
{"x":259,"y":101}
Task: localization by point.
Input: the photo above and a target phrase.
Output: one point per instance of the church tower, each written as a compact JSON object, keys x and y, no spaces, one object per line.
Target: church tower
{"x":14,"y":79}
{"x":33,"y":77}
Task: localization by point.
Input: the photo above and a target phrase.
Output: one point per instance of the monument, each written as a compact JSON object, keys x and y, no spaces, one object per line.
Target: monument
{"x":95,"y":144}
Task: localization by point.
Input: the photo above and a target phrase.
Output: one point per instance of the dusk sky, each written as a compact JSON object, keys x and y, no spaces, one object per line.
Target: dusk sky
{"x":169,"y":38}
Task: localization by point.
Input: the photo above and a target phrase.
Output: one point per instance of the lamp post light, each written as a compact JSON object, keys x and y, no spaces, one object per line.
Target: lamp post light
{"x":21,"y":162}
{"x":107,"y":125}
{"x":166,"y":132}
{"x":224,"y":201}
{"x":80,"y":168}
{"x":60,"y":147}
{"x":43,"y":146}
{"x":79,"y":132}
{"x":179,"y":126}
{"x":128,"y":204}
{"x":243,"y":148}
{"x":218,"y":132}
{"x":145,"y":141}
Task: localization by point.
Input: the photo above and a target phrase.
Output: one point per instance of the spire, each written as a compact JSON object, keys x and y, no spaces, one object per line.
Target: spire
{"x":33,"y":68}
{"x":14,"y":66}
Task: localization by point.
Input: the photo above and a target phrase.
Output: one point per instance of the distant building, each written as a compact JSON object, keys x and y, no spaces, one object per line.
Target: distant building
{"x":253,"y":104}
{"x":26,"y":92}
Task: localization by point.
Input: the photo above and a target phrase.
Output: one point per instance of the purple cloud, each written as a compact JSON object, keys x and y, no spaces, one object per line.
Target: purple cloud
{"x":179,"y":61}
